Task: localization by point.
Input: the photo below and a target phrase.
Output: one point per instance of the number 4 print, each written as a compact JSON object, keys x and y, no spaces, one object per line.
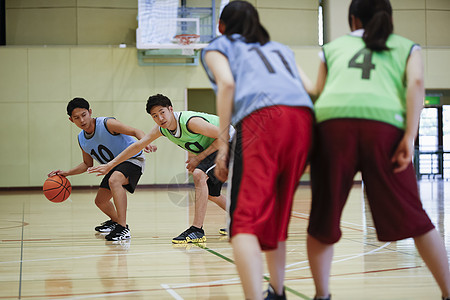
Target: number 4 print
{"x":366,"y":66}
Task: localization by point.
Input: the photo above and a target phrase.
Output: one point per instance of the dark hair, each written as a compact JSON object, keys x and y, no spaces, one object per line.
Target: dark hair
{"x":242,"y":17}
{"x":376,"y":19}
{"x":76,"y":103}
{"x":157,"y":100}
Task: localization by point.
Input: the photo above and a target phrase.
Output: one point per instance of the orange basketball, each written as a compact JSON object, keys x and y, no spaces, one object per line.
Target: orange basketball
{"x":57,"y":188}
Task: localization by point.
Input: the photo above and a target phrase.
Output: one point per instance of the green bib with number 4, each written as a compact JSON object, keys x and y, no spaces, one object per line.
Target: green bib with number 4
{"x":364,"y":84}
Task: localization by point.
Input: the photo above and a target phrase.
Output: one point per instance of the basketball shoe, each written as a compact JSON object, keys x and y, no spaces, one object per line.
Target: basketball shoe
{"x":190,"y":235}
{"x":322,"y":298}
{"x":271,"y":295}
{"x":106,"y":226}
{"x":223,"y":231}
{"x":119,"y":233}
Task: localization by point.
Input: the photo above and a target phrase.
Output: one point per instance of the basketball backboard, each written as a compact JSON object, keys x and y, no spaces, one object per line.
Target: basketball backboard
{"x":166,"y":27}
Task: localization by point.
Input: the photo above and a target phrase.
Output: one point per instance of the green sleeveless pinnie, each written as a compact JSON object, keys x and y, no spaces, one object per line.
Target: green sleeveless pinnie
{"x":377,"y":80}
{"x":188,"y":140}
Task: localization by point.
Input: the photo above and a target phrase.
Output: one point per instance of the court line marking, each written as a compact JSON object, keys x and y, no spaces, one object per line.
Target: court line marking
{"x":228,"y":281}
{"x":350,"y":257}
{"x":171,"y":292}
{"x":27,"y":240}
{"x":115,"y":293}
{"x":334,"y":257}
{"x":350,"y":276}
{"x":100,"y":295}
{"x":84,"y":256}
{"x":237,"y":280}
{"x":14,"y":226}
{"x":21,"y":253}
{"x":233,"y":280}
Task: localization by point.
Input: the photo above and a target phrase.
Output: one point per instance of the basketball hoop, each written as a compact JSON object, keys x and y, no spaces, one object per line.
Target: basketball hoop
{"x":186,"y":39}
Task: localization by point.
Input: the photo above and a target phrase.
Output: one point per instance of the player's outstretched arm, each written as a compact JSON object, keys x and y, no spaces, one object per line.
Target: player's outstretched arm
{"x":115,"y":126}
{"x":81,"y":168}
{"x":131,"y":151}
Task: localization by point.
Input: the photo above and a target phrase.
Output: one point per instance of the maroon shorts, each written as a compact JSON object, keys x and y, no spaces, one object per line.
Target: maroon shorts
{"x":346,"y":146}
{"x":269,"y":154}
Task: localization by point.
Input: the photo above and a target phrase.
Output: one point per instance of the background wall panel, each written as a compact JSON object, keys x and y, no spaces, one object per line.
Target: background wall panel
{"x":37,"y":81}
{"x":108,"y":3}
{"x":408,"y":4}
{"x":413,"y":30}
{"x":15,"y":146}
{"x":304,"y":32}
{"x":438,"y":4}
{"x":289,"y":4}
{"x":41,"y":26}
{"x":131,"y":81}
{"x":40,"y":3}
{"x":49,"y":74}
{"x":438,"y":23}
{"x":106,"y":26}
{"x":49,"y":140}
{"x":13,"y":74}
{"x":437,"y":68}
{"x":91,"y":73}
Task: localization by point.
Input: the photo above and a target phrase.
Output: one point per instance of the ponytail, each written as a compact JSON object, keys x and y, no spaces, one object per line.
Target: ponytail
{"x":376,"y":18}
{"x":242,"y":18}
{"x":377,"y":31}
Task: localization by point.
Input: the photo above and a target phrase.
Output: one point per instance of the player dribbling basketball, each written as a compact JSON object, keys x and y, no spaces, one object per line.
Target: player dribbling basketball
{"x":102,"y":139}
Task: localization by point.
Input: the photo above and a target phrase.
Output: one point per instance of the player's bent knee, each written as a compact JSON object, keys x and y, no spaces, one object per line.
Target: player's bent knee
{"x":99,"y":201}
{"x":103,"y":196}
{"x":199,"y":176}
{"x":117,"y":179}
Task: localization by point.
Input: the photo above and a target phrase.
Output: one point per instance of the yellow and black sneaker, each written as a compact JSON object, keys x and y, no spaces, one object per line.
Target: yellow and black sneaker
{"x":223,"y":231}
{"x":190,"y":235}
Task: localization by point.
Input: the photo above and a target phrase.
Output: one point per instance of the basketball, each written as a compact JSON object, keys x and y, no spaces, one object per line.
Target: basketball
{"x":57,"y":188}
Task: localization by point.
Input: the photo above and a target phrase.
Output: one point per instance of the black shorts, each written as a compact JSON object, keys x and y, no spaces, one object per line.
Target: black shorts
{"x":208,"y":165}
{"x":129,"y":170}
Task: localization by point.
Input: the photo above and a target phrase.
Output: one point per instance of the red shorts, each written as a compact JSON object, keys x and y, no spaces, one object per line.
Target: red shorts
{"x":346,"y":146}
{"x":269,"y":154}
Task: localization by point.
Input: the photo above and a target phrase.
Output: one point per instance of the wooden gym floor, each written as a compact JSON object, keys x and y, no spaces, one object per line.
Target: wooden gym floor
{"x":50,"y":251}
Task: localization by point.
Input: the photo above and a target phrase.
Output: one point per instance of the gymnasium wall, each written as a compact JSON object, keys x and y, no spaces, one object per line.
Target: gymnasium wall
{"x":60,"y":49}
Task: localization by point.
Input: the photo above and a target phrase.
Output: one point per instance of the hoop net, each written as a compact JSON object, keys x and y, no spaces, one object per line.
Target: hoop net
{"x":186,"y":39}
